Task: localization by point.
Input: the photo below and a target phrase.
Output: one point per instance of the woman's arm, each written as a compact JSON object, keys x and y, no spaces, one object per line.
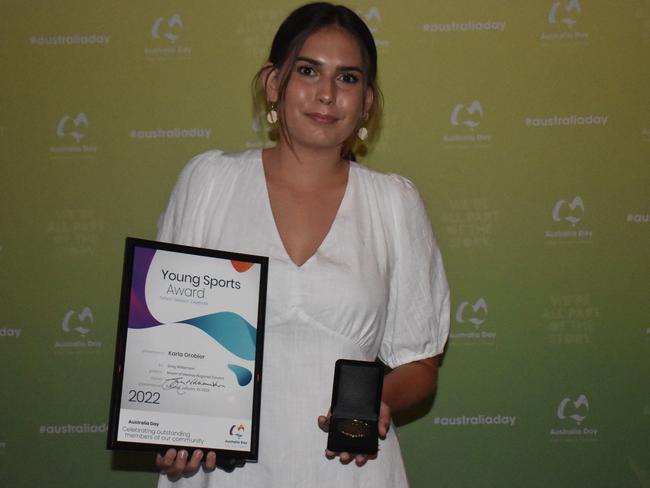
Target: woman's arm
{"x":410,"y":384}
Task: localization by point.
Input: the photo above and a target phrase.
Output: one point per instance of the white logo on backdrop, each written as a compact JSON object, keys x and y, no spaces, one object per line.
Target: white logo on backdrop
{"x":372,"y":16}
{"x":560,"y":13}
{"x":78,"y":123}
{"x":86,"y":316}
{"x":467,"y":116}
{"x":579,"y":405}
{"x":174,"y":24}
{"x":373,"y":21}
{"x":478,"y":315}
{"x":574,"y":205}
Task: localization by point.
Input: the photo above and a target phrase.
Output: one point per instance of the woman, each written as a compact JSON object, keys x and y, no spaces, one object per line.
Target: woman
{"x":354,"y":270}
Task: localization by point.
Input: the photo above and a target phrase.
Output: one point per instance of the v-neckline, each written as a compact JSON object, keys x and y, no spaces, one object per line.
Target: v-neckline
{"x":278,"y":236}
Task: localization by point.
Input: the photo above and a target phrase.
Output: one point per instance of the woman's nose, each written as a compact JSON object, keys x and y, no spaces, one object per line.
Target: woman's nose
{"x":326,"y":91}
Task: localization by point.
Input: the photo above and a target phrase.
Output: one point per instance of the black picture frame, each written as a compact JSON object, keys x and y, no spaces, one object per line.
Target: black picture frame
{"x":120,"y":349}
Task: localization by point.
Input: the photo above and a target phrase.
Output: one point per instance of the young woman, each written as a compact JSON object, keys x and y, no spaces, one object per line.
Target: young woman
{"x":354,"y":269}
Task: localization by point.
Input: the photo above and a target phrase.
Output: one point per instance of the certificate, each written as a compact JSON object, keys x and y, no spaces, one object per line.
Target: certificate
{"x":188,"y":360}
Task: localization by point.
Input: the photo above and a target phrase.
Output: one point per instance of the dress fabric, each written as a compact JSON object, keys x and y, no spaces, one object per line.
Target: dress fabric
{"x":374,"y":288}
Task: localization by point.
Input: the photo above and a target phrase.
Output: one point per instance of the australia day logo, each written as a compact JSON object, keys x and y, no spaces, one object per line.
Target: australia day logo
{"x":562,"y":18}
{"x":71,"y":132}
{"x":465,"y":119}
{"x":475,"y":314}
{"x":236,"y":435}
{"x":567,"y":214}
{"x":167,"y":31}
{"x":74,"y":127}
{"x":237,"y":431}
{"x":564,"y":13}
{"x":471,"y":319}
{"x":576,"y":410}
{"x":571,"y":212}
{"x":372,"y":17}
{"x":470,"y":116}
{"x":572,"y":413}
{"x":76,"y":326}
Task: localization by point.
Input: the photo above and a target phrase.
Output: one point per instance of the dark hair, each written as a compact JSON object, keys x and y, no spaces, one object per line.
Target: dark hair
{"x":291,"y":36}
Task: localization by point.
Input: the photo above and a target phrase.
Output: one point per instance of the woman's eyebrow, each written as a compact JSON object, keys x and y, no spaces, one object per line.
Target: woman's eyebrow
{"x":319,"y":63}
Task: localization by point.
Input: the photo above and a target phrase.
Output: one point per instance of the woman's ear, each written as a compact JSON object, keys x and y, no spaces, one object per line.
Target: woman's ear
{"x":270,"y":80}
{"x":370,"y":97}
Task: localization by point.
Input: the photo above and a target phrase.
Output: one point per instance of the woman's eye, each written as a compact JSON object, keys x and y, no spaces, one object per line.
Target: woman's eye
{"x":306,"y":70}
{"x":349,"y":78}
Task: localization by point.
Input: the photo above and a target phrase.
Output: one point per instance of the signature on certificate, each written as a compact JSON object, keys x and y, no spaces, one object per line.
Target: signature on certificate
{"x":178,"y":382}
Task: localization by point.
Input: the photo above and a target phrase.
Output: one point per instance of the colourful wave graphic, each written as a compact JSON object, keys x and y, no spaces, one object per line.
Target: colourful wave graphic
{"x":241,"y":266}
{"x":229,"y":329}
{"x":244,"y":376}
{"x":139,"y":314}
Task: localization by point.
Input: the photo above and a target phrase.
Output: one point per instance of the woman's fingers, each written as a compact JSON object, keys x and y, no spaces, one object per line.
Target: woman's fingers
{"x":345,"y":457}
{"x":210,"y":461}
{"x":163,"y":463}
{"x":360,"y":459}
{"x":175,"y":464}
{"x":324,"y":423}
{"x":179,"y":464}
{"x":192,"y":466}
{"x":384,"y":420}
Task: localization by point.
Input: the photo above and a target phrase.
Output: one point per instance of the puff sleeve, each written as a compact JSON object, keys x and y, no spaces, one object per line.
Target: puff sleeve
{"x":417,"y":323}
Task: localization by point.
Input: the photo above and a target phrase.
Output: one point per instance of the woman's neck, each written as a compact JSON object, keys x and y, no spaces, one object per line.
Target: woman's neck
{"x":305,"y":168}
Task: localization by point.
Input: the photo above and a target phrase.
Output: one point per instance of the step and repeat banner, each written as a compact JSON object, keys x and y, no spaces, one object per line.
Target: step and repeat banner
{"x":525,"y":126}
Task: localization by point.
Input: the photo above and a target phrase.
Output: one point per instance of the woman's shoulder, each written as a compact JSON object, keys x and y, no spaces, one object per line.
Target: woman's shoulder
{"x":216,"y":164}
{"x":218,"y":160}
{"x":391,"y":185}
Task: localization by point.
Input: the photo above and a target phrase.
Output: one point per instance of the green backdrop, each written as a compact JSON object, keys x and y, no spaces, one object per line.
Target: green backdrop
{"x":525,"y":126}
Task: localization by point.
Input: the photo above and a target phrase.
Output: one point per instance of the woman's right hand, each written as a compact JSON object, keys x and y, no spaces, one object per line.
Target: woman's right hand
{"x":176,"y":464}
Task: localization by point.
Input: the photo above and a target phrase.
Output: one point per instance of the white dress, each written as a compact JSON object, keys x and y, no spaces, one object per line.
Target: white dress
{"x":374,"y":288}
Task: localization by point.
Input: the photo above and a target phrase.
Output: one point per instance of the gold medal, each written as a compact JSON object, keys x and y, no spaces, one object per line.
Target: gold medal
{"x":354,"y":428}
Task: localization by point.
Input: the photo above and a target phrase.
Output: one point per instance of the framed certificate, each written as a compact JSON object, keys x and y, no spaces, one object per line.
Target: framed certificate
{"x":188,"y":358}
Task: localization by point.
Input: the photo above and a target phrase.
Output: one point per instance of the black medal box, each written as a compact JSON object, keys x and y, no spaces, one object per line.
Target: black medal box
{"x":356,"y":400}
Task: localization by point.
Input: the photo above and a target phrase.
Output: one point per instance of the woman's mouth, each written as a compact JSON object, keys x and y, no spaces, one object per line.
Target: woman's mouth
{"x":322,"y":118}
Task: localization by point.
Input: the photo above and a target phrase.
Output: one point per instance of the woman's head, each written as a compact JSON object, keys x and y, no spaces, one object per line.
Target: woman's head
{"x":288,"y":44}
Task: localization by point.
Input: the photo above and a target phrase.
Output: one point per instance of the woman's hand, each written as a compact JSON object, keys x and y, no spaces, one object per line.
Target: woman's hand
{"x":359,"y":459}
{"x":176,"y":464}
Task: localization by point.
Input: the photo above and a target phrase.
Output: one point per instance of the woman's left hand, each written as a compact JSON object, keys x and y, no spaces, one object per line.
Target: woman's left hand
{"x":359,"y":459}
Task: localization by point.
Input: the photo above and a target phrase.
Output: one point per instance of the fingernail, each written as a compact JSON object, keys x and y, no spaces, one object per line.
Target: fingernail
{"x":182,"y":454}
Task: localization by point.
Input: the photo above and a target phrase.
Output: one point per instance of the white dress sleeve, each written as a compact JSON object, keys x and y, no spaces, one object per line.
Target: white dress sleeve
{"x":181,"y":223}
{"x":417,"y":323}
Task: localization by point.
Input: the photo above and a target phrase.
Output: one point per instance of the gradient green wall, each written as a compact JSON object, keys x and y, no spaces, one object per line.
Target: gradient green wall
{"x":525,"y":125}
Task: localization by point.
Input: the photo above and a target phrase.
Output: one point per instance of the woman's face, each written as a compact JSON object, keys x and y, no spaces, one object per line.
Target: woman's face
{"x":326,"y":95}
